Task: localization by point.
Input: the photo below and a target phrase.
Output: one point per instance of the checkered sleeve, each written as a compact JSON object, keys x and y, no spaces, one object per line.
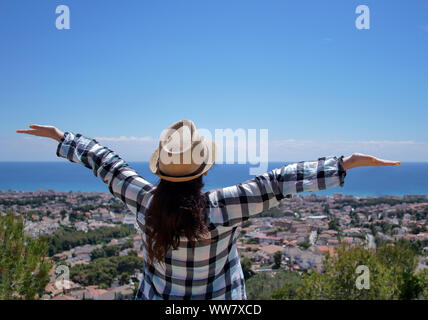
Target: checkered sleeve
{"x":235,"y":204}
{"x":123,"y":182}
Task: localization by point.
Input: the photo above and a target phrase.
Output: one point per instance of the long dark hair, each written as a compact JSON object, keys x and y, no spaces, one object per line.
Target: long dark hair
{"x":176,"y":209}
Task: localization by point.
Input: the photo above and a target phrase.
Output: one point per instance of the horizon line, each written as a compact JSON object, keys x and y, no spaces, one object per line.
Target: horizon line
{"x":147,"y":161}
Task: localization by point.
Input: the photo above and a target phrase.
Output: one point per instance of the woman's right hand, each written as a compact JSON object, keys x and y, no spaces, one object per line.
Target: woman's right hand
{"x":43,"y":131}
{"x":362,"y":160}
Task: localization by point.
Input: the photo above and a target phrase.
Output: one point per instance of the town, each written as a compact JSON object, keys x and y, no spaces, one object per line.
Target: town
{"x":88,"y":232}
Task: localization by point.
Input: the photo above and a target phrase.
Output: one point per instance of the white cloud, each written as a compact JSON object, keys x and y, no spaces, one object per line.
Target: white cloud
{"x":294,"y":150}
{"x":124,"y":138}
{"x":141,"y":148}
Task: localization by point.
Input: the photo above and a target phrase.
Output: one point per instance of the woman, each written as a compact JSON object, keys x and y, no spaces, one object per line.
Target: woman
{"x":189,"y":236}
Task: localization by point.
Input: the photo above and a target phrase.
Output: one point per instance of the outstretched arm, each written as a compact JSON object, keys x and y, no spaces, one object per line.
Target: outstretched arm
{"x":123,"y":182}
{"x":233,"y":205}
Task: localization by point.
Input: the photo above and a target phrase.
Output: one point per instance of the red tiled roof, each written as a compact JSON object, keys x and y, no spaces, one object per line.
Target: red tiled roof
{"x":325,"y":250}
{"x":262,"y":236}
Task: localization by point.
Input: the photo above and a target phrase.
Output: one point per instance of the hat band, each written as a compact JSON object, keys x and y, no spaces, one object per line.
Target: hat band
{"x":197,"y":171}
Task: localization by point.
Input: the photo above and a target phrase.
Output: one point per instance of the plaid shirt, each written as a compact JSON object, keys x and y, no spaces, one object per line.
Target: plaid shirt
{"x":212,"y":269}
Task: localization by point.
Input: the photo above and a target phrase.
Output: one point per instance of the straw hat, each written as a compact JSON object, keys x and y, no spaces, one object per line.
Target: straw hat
{"x":182,"y":154}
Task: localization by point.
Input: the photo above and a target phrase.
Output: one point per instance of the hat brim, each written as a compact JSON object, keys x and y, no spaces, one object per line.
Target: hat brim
{"x":212,"y":154}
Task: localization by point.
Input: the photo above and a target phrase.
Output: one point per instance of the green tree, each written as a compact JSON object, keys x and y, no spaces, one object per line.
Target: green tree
{"x":103,"y":271}
{"x":246,"y":268}
{"x":277,"y":257}
{"x":326,"y":209}
{"x":304,"y":244}
{"x":288,"y":291}
{"x":373,"y":230}
{"x":401,"y":260}
{"x":124,"y":278}
{"x":66,"y":238}
{"x":422,"y":277}
{"x":338,"y":282}
{"x":136,"y":285}
{"x":246,"y":224}
{"x":415,"y":229}
{"x":127,"y":244}
{"x":112,"y":251}
{"x":24,"y":271}
{"x":252,"y":241}
{"x":333,"y":224}
{"x":263,"y":284}
{"x":98,"y":253}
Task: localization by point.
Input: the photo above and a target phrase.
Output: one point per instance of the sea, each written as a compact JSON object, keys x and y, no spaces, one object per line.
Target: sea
{"x":409,"y":178}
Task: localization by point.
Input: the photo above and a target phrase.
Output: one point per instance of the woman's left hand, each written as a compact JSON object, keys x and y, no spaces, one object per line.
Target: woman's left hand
{"x":43,"y":131}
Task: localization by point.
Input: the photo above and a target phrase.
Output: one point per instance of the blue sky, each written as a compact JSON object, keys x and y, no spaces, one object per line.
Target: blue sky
{"x":300,"y":69}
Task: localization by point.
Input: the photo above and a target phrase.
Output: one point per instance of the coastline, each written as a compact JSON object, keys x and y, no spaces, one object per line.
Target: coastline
{"x":410,"y":178}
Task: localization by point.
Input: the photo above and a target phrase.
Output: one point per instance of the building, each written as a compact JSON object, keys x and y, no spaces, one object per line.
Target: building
{"x":125,"y":292}
{"x":263,"y":239}
{"x":129,"y":220}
